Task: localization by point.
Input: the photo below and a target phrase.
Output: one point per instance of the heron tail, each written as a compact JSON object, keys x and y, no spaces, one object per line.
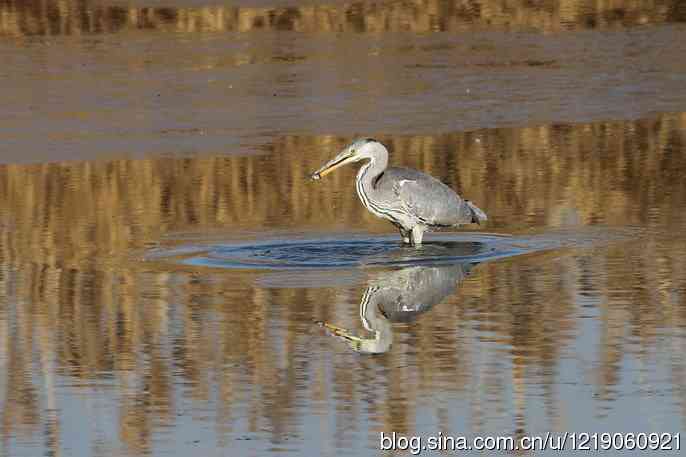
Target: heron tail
{"x":478,"y":216}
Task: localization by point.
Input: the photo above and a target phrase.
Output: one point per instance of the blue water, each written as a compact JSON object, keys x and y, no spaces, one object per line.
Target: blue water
{"x":342,"y":253}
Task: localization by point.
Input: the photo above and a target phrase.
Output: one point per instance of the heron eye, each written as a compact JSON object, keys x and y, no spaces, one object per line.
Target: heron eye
{"x":352,"y":151}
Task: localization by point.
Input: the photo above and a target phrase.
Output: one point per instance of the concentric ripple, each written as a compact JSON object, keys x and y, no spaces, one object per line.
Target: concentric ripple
{"x":332,"y":253}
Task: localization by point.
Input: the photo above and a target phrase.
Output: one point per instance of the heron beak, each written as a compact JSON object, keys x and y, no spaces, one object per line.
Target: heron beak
{"x":355,"y":342}
{"x":338,"y":161}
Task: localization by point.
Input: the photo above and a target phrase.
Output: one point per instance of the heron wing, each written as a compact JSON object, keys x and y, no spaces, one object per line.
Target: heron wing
{"x":425,"y":197}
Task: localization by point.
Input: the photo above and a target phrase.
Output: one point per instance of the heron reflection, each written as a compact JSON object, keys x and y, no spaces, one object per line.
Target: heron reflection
{"x":399,"y":296}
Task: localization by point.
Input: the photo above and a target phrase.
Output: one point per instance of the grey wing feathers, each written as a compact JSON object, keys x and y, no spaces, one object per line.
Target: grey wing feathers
{"x":425,"y":197}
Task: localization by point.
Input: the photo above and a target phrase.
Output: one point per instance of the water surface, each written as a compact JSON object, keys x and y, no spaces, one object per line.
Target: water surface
{"x":172,"y":284}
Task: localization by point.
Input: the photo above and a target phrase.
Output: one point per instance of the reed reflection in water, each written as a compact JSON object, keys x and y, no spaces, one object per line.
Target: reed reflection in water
{"x":102,"y":354}
{"x":69,"y":17}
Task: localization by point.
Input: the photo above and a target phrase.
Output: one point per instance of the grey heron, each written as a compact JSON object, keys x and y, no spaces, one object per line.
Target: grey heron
{"x":413,"y":201}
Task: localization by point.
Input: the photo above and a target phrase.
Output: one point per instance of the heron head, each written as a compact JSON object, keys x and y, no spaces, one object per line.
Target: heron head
{"x":379,"y":343}
{"x":363,"y":148}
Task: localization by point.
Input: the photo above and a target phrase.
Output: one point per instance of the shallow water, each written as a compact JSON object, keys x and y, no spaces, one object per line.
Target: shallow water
{"x":172,"y":284}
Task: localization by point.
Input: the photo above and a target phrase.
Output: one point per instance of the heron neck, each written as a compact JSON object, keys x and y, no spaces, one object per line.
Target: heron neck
{"x":375,"y":322}
{"x":371,"y":170}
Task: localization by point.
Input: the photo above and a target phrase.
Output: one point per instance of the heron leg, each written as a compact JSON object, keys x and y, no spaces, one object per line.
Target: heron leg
{"x":417,"y":235}
{"x":405,"y":235}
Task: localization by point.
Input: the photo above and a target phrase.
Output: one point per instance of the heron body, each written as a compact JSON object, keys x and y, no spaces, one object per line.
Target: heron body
{"x":413,"y":201}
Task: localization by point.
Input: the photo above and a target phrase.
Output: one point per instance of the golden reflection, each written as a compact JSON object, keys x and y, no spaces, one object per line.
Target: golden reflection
{"x":75,"y":305}
{"x":65,"y":214}
{"x":70,"y":17}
